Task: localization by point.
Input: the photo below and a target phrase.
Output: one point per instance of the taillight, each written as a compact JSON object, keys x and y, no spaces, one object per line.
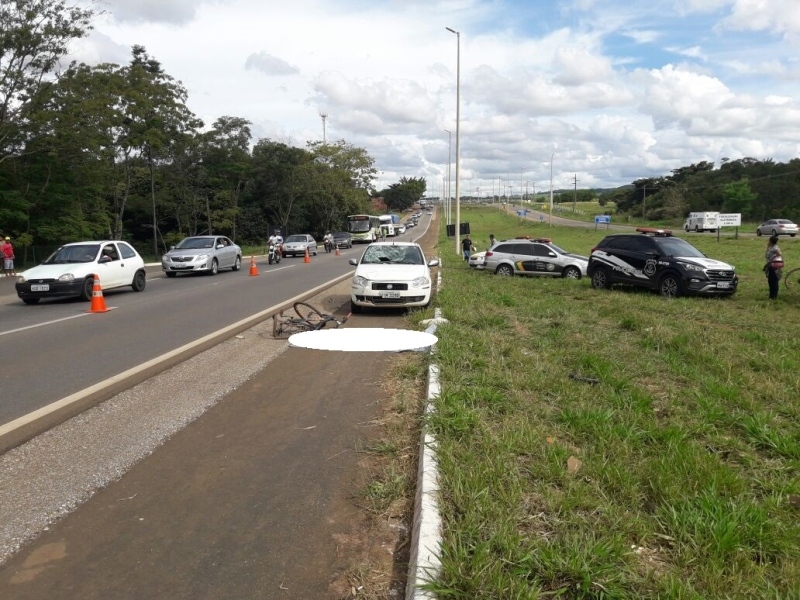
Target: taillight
{"x":593,"y":249}
{"x":489,"y":253}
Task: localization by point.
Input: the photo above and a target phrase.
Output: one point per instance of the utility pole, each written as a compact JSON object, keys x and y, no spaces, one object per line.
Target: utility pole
{"x":575,"y":195}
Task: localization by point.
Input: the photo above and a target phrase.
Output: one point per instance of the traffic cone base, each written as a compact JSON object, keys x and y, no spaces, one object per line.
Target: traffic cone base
{"x":98,"y":302}
{"x":253,"y":267}
{"x":307,"y":258}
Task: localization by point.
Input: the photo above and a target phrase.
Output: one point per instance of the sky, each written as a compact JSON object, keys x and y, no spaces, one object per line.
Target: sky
{"x":580,"y":93}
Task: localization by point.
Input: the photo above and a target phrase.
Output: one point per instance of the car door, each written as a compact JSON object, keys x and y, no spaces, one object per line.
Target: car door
{"x":543,"y":261}
{"x":112,"y":267}
{"x":227,"y":252}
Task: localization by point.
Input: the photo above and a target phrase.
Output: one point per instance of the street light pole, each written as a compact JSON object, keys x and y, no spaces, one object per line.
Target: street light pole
{"x":458,"y":136}
{"x":449,"y":163}
{"x":551,"y":188}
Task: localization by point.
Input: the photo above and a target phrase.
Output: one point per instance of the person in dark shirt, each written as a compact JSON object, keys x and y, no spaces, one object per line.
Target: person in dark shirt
{"x":466,"y":246}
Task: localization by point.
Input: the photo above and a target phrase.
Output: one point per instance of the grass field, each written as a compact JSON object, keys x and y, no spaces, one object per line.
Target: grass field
{"x":615,"y":444}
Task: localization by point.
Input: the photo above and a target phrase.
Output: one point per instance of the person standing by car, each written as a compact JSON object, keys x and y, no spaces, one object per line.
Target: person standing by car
{"x":774,"y":266}
{"x":466,"y":246}
{"x":7,"y":252}
{"x":492,"y":240}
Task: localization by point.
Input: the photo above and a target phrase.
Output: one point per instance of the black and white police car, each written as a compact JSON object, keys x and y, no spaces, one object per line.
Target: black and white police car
{"x":656,"y":260}
{"x":537,"y":256}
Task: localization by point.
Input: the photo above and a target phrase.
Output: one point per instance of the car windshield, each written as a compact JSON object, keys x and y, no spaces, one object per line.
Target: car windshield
{"x":296,"y":238}
{"x":340,"y":234}
{"x":195,"y":243}
{"x":672,"y":246}
{"x":81,"y":253}
{"x":395,"y":255}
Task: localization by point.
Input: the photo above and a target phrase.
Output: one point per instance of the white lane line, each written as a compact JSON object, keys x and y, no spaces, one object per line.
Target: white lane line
{"x":2,"y":333}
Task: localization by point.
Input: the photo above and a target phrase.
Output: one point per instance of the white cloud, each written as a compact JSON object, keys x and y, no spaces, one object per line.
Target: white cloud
{"x":587,"y":78}
{"x":269,"y":65}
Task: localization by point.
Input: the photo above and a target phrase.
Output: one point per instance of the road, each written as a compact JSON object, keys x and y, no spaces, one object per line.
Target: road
{"x":55,"y":349}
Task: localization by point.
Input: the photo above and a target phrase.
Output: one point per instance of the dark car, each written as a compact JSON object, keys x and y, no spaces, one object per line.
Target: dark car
{"x":656,"y":260}
{"x":342,"y":239}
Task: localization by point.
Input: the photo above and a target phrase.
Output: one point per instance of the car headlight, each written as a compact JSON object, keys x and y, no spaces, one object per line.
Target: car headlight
{"x":67,"y":277}
{"x":360,"y":281}
{"x":420,"y":282}
{"x":691,"y":267}
{"x":201,"y":258}
{"x":20,"y":279}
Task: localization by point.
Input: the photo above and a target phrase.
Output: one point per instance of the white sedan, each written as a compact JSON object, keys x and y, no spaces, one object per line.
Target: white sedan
{"x":70,"y":271}
{"x":477,"y":260}
{"x":391,"y":275}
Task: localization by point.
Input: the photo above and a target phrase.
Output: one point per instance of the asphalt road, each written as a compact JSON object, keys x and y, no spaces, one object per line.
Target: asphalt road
{"x":54,"y":349}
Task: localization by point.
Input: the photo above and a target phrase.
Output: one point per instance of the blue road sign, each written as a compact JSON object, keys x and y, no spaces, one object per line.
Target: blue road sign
{"x":602,"y":219}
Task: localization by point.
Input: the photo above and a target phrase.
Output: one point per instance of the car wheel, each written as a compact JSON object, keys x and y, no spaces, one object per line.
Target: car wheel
{"x":505,"y":271}
{"x":758,"y":232}
{"x":315,"y":250}
{"x":88,"y":287}
{"x":237,"y":264}
{"x":31,"y":300}
{"x":600,"y":279}
{"x":572,"y":273}
{"x":696,"y":229}
{"x":670,"y":286}
{"x":792,"y":234}
{"x":774,"y":232}
{"x":355,"y":308}
{"x":139,"y":281}
{"x":214,"y":267}
{"x":170,"y":273}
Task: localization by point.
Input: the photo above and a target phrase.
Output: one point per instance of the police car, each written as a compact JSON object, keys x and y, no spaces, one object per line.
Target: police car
{"x":534,"y":256}
{"x":656,"y":260}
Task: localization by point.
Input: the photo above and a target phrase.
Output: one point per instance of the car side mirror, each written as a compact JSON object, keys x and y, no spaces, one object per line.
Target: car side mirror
{"x":220,"y":246}
{"x":104,"y":259}
{"x":353,"y":262}
{"x":434,"y":262}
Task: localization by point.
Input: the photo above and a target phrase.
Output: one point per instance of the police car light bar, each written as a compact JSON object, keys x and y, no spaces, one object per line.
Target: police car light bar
{"x":654,"y":231}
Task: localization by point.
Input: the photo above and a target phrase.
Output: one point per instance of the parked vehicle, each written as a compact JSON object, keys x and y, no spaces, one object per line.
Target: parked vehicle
{"x":391,"y":275}
{"x":538,"y":256}
{"x":202,"y":253}
{"x":296,"y":245}
{"x":701,"y":221}
{"x":656,"y":260}
{"x":70,"y":271}
{"x":777,"y":227}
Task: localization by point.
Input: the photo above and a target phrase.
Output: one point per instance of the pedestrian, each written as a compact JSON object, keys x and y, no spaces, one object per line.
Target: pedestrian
{"x":7,"y":252}
{"x":774,"y":266}
{"x":466,"y":246}
{"x":492,"y":241}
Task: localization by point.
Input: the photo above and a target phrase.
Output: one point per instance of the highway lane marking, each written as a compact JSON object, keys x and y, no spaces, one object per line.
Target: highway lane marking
{"x":2,"y":333}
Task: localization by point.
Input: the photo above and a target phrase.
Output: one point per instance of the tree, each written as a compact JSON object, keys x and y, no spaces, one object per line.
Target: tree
{"x":34,"y":35}
{"x":739,"y":198}
{"x":349,"y":158}
{"x":403,"y":195}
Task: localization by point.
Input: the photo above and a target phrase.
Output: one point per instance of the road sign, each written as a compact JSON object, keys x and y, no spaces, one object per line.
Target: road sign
{"x":602,"y":219}
{"x":730,"y":220}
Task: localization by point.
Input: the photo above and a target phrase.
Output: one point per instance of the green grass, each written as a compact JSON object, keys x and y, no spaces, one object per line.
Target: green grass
{"x":615,"y":444}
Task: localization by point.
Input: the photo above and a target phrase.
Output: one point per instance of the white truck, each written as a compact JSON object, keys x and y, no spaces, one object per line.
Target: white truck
{"x":701,"y":221}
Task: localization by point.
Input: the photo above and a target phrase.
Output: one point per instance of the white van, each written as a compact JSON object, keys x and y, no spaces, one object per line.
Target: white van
{"x":701,"y":221}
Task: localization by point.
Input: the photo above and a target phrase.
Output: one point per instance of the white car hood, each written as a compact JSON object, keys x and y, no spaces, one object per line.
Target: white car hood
{"x":79,"y":270}
{"x":708,"y":263}
{"x":392,"y":272}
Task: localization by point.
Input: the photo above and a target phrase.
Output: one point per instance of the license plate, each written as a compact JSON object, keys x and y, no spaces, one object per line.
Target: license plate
{"x":390,"y":294}
{"x":40,"y":288}
{"x":723,"y":285}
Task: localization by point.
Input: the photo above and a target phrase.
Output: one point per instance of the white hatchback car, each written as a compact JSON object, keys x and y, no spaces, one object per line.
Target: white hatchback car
{"x":391,"y":275}
{"x":70,"y":271}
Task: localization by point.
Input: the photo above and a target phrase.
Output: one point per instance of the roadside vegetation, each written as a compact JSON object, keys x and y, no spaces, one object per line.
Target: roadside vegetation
{"x":614,"y":444}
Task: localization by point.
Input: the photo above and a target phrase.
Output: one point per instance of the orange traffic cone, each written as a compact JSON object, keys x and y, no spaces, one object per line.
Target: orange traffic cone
{"x":98,"y":302}
{"x":307,"y":258}
{"x":253,"y":267}
{"x":337,"y":250}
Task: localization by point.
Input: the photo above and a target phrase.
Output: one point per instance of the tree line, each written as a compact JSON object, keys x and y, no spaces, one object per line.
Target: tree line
{"x":113,"y":151}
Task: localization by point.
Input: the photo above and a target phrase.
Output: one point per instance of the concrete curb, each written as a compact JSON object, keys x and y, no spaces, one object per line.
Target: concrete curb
{"x":426,"y":534}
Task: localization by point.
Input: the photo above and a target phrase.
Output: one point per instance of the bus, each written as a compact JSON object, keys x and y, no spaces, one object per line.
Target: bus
{"x":387,"y":224}
{"x":363,"y":229}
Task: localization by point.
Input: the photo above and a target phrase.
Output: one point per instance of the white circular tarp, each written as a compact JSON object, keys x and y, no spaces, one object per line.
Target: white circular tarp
{"x":363,"y":340}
